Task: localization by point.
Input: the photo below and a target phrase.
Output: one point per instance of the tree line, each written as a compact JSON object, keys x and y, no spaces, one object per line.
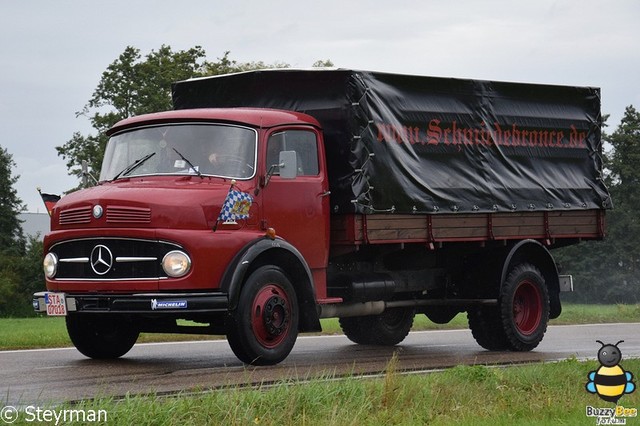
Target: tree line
{"x":20,"y":256}
{"x":605,"y":271}
{"x":608,"y":271}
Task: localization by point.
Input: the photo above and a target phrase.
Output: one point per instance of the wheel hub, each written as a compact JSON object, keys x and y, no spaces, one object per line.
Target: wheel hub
{"x":271,"y":316}
{"x":275,"y":315}
{"x":527,"y":308}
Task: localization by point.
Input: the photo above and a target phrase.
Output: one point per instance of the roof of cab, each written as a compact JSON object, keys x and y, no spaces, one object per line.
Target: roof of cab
{"x":254,"y":117}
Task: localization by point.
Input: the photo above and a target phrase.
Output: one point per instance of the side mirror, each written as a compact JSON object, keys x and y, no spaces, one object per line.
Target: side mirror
{"x":86,"y":175}
{"x":288,"y":164}
{"x":287,"y":168}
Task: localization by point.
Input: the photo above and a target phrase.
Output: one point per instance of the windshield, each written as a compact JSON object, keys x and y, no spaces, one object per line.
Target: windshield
{"x":182,"y":149}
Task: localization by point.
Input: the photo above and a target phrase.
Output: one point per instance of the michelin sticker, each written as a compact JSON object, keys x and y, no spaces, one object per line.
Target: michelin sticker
{"x":168,"y":304}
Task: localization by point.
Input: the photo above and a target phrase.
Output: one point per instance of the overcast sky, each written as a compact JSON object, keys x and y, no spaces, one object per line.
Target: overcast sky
{"x":53,"y":52}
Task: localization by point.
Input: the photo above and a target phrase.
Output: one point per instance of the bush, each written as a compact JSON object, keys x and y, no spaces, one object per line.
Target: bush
{"x":20,"y":276}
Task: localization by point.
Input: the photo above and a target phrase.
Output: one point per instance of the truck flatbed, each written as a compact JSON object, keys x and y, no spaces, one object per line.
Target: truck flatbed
{"x":548,"y":227}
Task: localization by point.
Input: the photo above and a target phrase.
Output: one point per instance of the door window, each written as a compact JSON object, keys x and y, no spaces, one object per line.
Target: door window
{"x":305,"y":145}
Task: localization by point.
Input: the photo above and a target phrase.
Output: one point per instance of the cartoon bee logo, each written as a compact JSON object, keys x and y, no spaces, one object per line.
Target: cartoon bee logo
{"x":610,"y":381}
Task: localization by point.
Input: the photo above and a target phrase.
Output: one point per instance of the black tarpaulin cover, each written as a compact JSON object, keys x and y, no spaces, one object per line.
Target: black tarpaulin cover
{"x":410,"y":144}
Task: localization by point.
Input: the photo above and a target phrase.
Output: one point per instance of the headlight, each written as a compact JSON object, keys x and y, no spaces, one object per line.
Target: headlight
{"x":176,"y":263}
{"x":50,"y":265}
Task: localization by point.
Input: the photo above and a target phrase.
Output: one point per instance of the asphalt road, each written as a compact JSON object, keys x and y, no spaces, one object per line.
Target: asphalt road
{"x":41,"y":377}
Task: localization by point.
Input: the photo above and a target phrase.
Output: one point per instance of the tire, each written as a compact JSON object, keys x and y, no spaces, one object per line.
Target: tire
{"x":524,"y":307}
{"x":387,"y":329}
{"x":263,"y":328}
{"x":520,"y":320}
{"x":101,"y":337}
{"x":486,"y":327}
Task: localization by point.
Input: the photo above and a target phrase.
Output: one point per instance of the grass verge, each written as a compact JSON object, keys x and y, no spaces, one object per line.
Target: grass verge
{"x":540,"y":394}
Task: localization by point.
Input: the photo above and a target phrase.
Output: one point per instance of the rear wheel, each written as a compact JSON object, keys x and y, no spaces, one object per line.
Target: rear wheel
{"x":101,"y":337}
{"x":386,"y":329}
{"x":524,"y":307}
{"x":486,"y":327}
{"x":263,"y":328}
{"x":520,"y":320}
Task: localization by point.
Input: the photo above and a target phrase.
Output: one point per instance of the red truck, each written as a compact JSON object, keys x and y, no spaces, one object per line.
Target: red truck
{"x":268,"y":200}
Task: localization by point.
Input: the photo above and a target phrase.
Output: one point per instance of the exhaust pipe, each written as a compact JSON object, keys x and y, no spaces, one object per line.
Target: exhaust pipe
{"x":378,"y":307}
{"x":351,"y":310}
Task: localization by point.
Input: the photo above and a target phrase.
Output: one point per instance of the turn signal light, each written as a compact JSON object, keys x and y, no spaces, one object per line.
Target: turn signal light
{"x":271,"y":233}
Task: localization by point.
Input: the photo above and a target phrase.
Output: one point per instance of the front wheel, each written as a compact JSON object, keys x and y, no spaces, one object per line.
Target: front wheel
{"x":263,"y":328}
{"x":101,"y":337}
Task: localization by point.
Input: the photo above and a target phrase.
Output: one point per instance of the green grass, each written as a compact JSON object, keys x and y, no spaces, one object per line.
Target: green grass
{"x":539,"y":394}
{"x":595,"y":314}
{"x":44,"y":332}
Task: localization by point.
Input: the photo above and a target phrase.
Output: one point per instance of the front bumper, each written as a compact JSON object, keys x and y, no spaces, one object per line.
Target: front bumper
{"x":141,"y":303}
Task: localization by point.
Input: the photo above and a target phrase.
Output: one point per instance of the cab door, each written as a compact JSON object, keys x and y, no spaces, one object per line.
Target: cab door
{"x":298,"y":208}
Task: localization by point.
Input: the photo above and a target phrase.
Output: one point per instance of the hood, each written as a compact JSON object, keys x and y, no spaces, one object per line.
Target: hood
{"x":157,"y":202}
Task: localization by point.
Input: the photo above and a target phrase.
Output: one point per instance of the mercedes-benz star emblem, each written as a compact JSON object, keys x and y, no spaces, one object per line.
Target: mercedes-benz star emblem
{"x":101,"y":259}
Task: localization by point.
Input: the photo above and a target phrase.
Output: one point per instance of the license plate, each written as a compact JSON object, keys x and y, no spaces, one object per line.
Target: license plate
{"x":56,"y":304}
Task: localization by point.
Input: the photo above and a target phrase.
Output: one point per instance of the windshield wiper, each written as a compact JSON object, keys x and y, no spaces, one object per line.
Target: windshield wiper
{"x":131,"y":167}
{"x":188,"y":162}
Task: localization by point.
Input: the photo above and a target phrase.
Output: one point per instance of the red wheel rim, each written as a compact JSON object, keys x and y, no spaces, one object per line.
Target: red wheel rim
{"x":527,"y":308}
{"x":270,"y":316}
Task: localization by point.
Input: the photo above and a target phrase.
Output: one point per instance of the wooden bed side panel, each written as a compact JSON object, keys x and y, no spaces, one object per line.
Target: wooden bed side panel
{"x":391,"y":228}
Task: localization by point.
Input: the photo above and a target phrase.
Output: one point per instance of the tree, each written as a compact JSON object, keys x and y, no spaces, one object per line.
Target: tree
{"x":20,"y":277}
{"x":609,"y":271}
{"x":323,"y":63}
{"x":13,"y":245}
{"x":11,"y":236}
{"x":134,"y":85}
{"x":624,"y":226}
{"x":130,"y":86}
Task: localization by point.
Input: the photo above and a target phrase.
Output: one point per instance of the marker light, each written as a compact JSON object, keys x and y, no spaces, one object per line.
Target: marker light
{"x":50,"y":265}
{"x":176,"y":263}
{"x":271,"y":233}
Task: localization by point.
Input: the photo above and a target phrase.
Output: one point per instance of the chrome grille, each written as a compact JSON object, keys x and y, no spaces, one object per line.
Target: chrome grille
{"x":111,"y":259}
